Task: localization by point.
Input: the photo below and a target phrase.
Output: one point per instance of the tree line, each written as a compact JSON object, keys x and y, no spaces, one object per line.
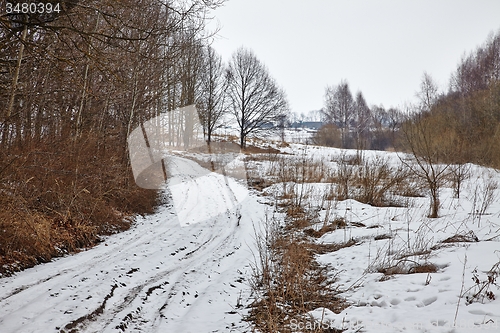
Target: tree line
{"x":351,"y":123}
{"x":461,"y":125}
{"x":442,"y":132}
{"x":447,"y":131}
{"x":75,"y":83}
{"x":466,"y":115}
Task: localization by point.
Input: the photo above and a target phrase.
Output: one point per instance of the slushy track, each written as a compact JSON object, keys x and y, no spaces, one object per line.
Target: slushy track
{"x":155,"y":277}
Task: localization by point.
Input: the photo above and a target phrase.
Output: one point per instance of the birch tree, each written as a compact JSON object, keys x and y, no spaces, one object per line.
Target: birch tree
{"x":339,"y":108}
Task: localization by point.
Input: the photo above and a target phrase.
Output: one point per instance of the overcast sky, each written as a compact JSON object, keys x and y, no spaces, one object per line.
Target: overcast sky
{"x":380,"y":47}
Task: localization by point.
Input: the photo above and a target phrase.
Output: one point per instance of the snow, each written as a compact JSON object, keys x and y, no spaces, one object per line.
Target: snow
{"x":162,"y":276}
{"x":186,"y":268}
{"x":420,"y":302}
{"x":191,"y":184}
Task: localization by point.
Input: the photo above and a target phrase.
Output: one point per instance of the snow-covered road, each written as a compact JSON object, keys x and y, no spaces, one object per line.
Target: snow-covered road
{"x":156,"y":277}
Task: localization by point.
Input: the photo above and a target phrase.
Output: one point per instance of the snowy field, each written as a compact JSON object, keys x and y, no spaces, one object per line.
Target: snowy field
{"x":167,"y":275}
{"x":455,"y":298}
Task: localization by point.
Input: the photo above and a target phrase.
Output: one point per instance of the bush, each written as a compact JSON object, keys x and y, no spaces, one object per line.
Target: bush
{"x":58,"y":197}
{"x":328,"y":135}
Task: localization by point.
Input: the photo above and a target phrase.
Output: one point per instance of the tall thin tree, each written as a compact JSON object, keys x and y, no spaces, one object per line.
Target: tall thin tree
{"x":254,"y":97}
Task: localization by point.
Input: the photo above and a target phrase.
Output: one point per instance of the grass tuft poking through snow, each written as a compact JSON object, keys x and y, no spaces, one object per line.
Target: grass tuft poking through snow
{"x":366,"y":221}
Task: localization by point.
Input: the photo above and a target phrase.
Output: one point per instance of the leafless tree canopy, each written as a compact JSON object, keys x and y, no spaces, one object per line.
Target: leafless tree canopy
{"x":73,"y":85}
{"x":480,"y":69}
{"x":212,"y":104}
{"x":362,"y":121}
{"x":254,"y":97}
{"x":96,"y":64}
{"x":339,"y":107}
{"x":428,"y":93}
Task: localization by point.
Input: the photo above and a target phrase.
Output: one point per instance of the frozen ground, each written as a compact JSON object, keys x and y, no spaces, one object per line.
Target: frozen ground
{"x":421,"y":302}
{"x":404,"y":237}
{"x":164,"y":275}
{"x":156,"y":277}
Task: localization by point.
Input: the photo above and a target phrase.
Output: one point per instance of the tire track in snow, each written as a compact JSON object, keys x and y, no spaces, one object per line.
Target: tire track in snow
{"x":134,"y":283}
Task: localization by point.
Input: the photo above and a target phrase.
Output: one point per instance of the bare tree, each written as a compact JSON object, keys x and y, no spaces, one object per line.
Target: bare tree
{"x":254,"y":97}
{"x":339,"y":107}
{"x":428,"y":93}
{"x":283,"y":121}
{"x":479,"y":69}
{"x":395,"y":120}
{"x":430,"y":142}
{"x":212,"y":99}
{"x":362,"y":121}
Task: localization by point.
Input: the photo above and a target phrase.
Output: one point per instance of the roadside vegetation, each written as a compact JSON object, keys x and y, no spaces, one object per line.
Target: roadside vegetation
{"x":73,"y":85}
{"x":333,"y":203}
{"x":320,"y":196}
{"x":57,"y":200}
{"x":72,"y":92}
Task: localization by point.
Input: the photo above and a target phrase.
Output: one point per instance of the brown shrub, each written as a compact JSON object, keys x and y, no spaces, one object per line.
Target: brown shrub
{"x":58,"y":197}
{"x":328,"y":135}
{"x":408,"y":267}
{"x":468,"y":237}
{"x":338,"y":223}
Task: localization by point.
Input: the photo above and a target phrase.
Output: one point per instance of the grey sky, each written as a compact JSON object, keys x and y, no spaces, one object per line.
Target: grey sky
{"x":381,"y":47}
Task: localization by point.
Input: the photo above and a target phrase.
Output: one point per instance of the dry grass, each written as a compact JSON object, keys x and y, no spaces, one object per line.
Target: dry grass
{"x":372,"y":181}
{"x":468,"y":237}
{"x":485,"y":288}
{"x":299,"y":169}
{"x":402,"y":261}
{"x":382,"y":236}
{"x":338,"y":223}
{"x":249,"y":150}
{"x":58,"y":197}
{"x":375,"y":179}
{"x":404,"y":254}
{"x":287,"y":281}
{"x":406,"y":266}
{"x":331,"y":247}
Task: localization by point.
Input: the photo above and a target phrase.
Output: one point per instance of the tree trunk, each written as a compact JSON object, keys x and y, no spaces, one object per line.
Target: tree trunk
{"x":242,"y":140}
{"x":15,"y":80}
{"x":132,"y":108}
{"x":85,"y":84}
{"x":434,"y":201}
